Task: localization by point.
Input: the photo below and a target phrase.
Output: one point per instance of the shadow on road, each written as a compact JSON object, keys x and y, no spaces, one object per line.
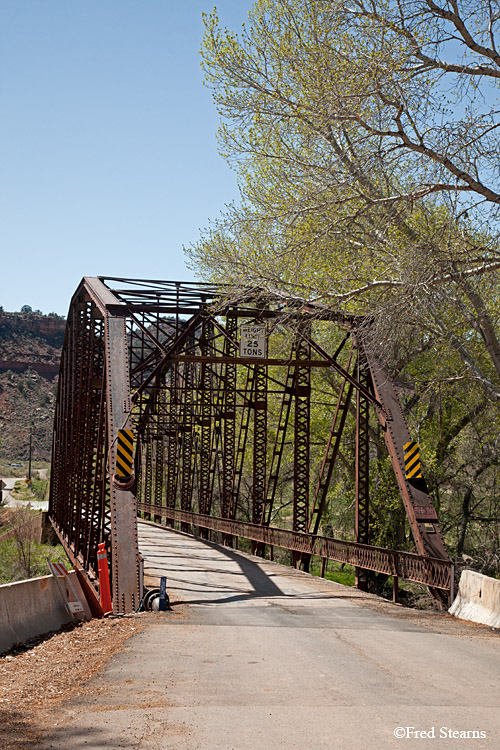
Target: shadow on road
{"x":262,"y":584}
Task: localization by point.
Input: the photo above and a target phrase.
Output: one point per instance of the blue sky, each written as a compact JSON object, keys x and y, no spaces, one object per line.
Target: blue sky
{"x":109,"y":160}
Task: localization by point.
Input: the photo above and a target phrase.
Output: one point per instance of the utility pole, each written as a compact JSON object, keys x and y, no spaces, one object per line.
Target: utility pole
{"x":29,"y":460}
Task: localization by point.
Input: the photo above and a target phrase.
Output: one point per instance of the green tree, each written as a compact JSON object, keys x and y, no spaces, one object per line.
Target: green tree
{"x":366,"y":139}
{"x":367,"y":166}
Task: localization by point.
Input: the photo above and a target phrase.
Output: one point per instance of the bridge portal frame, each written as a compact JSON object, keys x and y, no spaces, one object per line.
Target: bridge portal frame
{"x":161,"y":358}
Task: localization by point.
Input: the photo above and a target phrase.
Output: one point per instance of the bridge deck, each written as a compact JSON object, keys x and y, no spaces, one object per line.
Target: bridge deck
{"x":268,"y":657}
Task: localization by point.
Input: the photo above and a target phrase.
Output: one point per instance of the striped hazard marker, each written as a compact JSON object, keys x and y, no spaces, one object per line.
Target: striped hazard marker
{"x":413,"y":467}
{"x":60,"y":568}
{"x":123,"y":478}
{"x":125,"y":454}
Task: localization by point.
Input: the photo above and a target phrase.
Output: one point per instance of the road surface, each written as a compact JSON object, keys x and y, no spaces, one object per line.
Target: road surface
{"x":11,"y":502}
{"x":268,"y":658}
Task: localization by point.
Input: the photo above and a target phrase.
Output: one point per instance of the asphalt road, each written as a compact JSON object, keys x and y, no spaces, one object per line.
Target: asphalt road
{"x":269,"y":658}
{"x":11,"y":502}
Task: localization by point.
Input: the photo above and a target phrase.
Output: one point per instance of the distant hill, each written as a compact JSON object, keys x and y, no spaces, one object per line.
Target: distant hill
{"x":30,"y":349}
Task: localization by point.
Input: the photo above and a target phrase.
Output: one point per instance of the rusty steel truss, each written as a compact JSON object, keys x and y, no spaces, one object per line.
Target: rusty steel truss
{"x":224,"y":439}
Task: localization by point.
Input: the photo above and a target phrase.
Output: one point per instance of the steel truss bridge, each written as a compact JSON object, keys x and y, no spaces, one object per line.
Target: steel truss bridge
{"x":217,"y":393}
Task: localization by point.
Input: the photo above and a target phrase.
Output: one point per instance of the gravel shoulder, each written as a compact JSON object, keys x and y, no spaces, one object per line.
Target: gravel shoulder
{"x":34,"y":682}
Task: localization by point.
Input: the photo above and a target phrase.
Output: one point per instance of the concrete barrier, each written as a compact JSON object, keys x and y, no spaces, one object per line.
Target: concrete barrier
{"x":478,"y":599}
{"x":35,"y":607}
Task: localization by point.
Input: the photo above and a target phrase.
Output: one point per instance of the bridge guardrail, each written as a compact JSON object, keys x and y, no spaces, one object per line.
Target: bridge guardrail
{"x":409,"y":566}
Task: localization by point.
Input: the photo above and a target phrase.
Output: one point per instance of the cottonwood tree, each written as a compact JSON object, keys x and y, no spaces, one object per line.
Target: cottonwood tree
{"x":366,"y":139}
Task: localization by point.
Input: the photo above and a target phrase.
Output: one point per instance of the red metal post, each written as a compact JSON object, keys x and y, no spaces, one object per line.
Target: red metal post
{"x":104,"y":588}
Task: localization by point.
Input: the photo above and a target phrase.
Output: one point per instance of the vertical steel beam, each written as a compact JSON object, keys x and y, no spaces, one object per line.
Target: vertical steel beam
{"x":243,"y":432}
{"x":301,"y":437}
{"x":362,"y":469}
{"x":187,"y":440}
{"x":302,"y":395}
{"x":147,"y":491}
{"x":259,"y":450}
{"x":159,"y":451}
{"x":279,"y":441}
{"x":139,"y":467}
{"x":99,"y":485}
{"x":205,"y":424}
{"x":124,"y":544}
{"x":229,"y":421}
{"x":159,"y":472}
{"x":172,"y":443}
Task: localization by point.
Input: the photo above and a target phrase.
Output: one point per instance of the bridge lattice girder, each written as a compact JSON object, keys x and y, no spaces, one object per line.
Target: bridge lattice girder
{"x":162,"y":359}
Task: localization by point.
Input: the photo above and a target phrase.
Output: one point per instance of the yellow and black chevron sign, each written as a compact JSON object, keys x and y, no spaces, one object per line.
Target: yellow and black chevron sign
{"x":413,"y":468}
{"x":125,"y":453}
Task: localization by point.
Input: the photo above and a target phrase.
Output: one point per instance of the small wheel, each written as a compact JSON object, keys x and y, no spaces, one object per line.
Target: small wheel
{"x":148,"y":599}
{"x":155,"y":603}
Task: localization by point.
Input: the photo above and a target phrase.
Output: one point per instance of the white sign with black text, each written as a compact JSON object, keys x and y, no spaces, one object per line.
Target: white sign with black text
{"x":253,"y":341}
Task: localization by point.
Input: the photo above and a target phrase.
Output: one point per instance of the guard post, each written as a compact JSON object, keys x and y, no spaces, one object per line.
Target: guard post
{"x":162,"y":605}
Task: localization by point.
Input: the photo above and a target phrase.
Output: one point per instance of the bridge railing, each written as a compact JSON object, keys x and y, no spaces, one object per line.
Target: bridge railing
{"x":430,"y":571}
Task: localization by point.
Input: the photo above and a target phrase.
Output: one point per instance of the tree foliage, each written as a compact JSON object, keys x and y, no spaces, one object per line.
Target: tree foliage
{"x":366,"y":141}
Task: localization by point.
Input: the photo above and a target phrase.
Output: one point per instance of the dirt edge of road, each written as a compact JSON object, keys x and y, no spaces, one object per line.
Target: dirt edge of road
{"x":35,"y":681}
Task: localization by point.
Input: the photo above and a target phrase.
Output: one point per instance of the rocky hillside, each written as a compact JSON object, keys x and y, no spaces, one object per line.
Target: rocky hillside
{"x":30,"y":348}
